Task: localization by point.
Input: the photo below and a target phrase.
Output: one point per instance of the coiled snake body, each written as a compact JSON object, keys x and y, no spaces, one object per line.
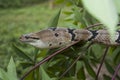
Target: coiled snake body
{"x":57,"y":37}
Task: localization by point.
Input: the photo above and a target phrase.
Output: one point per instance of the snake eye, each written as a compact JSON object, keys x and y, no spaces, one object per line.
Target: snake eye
{"x":27,"y":37}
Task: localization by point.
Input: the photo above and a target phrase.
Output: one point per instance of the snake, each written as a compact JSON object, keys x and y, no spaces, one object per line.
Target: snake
{"x":58,"y":36}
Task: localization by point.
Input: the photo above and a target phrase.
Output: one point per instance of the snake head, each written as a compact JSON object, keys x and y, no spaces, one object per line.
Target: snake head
{"x":47,"y":38}
{"x":33,"y":39}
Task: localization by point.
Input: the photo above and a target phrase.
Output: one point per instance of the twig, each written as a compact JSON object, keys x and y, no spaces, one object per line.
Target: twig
{"x":94,"y":25}
{"x":98,"y":24}
{"x":74,"y":62}
{"x":106,"y":50}
{"x":46,"y":59}
{"x":116,"y":72}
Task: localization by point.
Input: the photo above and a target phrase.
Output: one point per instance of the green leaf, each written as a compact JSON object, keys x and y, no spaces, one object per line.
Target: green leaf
{"x":3,"y":75}
{"x":116,"y":56}
{"x":80,"y":71}
{"x":21,"y":53}
{"x":81,"y":74}
{"x":44,"y":75}
{"x":106,"y":77}
{"x":30,"y":76}
{"x":97,"y":50}
{"x":105,"y":11}
{"x":79,"y":65}
{"x":77,"y":14}
{"x":11,"y":70}
{"x":117,"y":3}
{"x":54,"y":21}
{"x":26,"y":64}
{"x":89,"y":69}
{"x":109,"y":68}
{"x":69,"y":18}
{"x":69,"y":78}
{"x":68,"y":12}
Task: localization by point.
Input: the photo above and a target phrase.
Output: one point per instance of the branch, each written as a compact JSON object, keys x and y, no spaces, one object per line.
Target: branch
{"x":116,"y":72}
{"x":106,"y":50}
{"x":98,"y":24}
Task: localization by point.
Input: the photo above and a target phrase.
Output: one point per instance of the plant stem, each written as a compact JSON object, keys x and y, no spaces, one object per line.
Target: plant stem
{"x":116,"y":71}
{"x":106,"y":50}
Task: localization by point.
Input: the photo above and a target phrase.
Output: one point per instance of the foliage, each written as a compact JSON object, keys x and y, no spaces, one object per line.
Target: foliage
{"x":85,"y":68}
{"x":11,"y":72}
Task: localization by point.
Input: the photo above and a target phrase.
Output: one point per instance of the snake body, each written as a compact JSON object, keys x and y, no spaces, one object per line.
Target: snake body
{"x":57,"y":37}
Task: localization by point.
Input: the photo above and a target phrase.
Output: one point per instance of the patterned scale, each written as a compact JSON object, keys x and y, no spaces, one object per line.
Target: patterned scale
{"x":57,"y":37}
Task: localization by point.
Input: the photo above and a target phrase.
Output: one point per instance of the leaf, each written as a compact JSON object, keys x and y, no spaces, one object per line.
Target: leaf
{"x":117,"y":3}
{"x":106,"y":77}
{"x":44,"y":75}
{"x":11,"y":70}
{"x":116,"y":55}
{"x":109,"y":68}
{"x":78,"y":16}
{"x":97,"y":50}
{"x":79,"y":65}
{"x":26,"y":64}
{"x":104,"y":11}
{"x":89,"y":69}
{"x":81,"y":74}
{"x":21,"y":53}
{"x":80,"y":71}
{"x":69,"y":18}
{"x":3,"y":75}
{"x":69,"y":78}
{"x":30,"y":76}
{"x":54,"y":21}
{"x":68,"y":12}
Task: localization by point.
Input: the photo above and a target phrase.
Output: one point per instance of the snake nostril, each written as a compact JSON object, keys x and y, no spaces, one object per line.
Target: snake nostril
{"x":21,"y":38}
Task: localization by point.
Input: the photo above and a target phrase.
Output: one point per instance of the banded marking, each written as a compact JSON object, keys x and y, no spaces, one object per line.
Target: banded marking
{"x":118,"y":39}
{"x":53,"y":28}
{"x":94,"y":34}
{"x":72,"y":34}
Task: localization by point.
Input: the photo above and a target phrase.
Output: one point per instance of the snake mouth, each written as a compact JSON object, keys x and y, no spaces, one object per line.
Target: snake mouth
{"x":25,"y":39}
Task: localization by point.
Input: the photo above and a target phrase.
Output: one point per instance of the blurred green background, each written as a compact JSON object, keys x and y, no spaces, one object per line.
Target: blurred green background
{"x":19,"y":17}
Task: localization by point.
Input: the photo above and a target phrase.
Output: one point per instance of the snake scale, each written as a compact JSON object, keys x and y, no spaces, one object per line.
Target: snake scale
{"x":57,"y":37}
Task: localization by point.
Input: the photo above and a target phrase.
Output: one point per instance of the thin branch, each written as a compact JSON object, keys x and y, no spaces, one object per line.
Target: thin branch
{"x":98,"y":24}
{"x":94,"y":25}
{"x":46,"y":59}
{"x":116,"y":72}
{"x":106,"y":50}
{"x":74,"y":62}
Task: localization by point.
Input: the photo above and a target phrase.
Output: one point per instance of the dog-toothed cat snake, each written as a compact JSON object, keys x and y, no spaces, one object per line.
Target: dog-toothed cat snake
{"x":57,"y":37}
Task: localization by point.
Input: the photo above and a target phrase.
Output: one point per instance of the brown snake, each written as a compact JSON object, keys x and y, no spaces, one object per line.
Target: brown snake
{"x":57,"y":37}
